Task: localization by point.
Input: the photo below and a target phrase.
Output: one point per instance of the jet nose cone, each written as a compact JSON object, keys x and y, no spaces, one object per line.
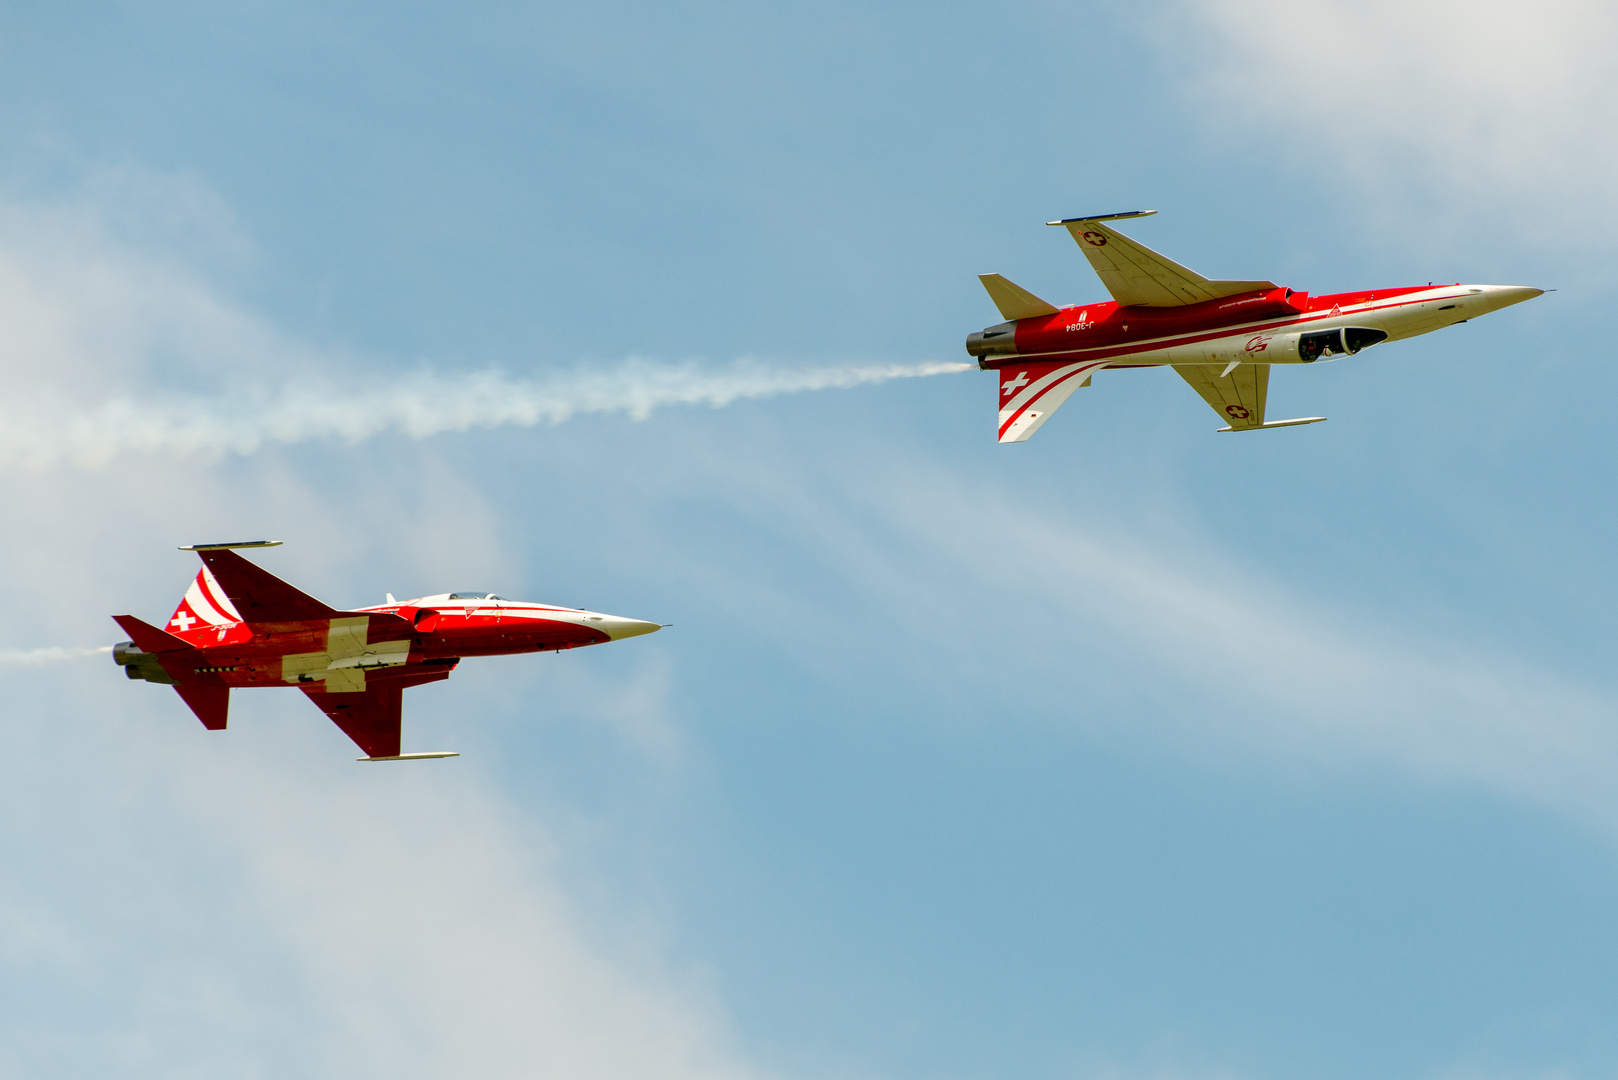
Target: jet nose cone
{"x":618,"y":628}
{"x":1503,"y":296}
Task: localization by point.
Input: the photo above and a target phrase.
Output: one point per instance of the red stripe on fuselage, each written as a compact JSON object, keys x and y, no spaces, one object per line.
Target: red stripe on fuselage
{"x":1105,"y":352}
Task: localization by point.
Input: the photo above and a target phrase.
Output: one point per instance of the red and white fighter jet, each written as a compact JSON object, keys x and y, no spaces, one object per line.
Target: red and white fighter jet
{"x":240,"y":626}
{"x":1221,"y":336}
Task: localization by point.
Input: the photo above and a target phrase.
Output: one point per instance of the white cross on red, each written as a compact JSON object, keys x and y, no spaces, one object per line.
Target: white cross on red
{"x":184,"y":619}
{"x":1015,"y":384}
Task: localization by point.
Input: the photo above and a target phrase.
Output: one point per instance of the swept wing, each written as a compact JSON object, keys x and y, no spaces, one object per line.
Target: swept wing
{"x":372,"y":717}
{"x":262,"y":598}
{"x":1237,"y":394}
{"x":1136,"y":275}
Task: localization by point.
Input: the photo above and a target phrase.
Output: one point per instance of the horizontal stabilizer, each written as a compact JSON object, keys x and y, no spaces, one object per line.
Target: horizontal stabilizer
{"x":149,"y":638}
{"x":1030,"y":393}
{"x":414,"y":757}
{"x":1278,"y":423}
{"x":210,"y":703}
{"x":1014,"y":301}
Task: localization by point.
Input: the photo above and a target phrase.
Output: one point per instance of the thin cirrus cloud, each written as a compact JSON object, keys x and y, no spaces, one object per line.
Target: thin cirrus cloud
{"x":1245,"y":663}
{"x":1226,"y":657}
{"x":1494,"y":107}
{"x":206,"y":899}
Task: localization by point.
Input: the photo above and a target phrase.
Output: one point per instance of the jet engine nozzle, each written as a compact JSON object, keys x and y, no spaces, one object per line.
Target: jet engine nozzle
{"x":995,"y":341}
{"x":139,"y":664}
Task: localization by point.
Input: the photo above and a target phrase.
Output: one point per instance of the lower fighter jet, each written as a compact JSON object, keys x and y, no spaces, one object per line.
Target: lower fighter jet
{"x":1221,"y":336}
{"x":240,"y":626}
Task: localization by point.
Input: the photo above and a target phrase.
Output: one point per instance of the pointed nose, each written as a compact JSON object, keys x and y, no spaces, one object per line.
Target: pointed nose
{"x":1503,"y":296}
{"x":618,"y":628}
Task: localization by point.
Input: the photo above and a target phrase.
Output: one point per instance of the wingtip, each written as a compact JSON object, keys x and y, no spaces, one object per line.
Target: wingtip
{"x":1277,"y":424}
{"x":426,"y":756}
{"x":231,"y":544}
{"x":1103,"y":217}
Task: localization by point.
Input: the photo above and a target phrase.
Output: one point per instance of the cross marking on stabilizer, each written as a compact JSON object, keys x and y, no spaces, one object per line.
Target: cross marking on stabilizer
{"x":185,"y":619}
{"x":1015,"y":384}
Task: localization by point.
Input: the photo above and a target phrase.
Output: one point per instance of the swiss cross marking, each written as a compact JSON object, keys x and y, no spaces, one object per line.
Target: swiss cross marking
{"x":1015,"y":384}
{"x":184,"y":619}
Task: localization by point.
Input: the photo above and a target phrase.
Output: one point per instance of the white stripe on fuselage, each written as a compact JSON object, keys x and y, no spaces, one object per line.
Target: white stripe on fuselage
{"x":1139,"y":352}
{"x":505,"y":609}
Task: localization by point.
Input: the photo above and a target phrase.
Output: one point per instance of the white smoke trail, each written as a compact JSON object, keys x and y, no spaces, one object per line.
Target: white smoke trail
{"x":51,"y":655}
{"x":45,"y":432}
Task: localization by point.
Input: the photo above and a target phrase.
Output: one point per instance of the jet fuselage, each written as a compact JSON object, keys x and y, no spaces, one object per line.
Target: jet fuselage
{"x":1277,"y":326}
{"x":447,"y":627}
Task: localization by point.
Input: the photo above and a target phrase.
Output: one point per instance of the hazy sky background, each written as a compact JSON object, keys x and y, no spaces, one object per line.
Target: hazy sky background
{"x":1135,"y":751}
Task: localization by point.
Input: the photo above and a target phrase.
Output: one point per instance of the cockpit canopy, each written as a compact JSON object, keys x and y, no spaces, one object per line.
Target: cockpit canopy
{"x":476,"y":596}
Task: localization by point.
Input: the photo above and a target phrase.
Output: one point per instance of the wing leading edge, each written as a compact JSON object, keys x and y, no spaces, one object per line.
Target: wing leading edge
{"x":1237,"y":394}
{"x":1137,"y":276}
{"x":260,"y":597}
{"x":373,"y":717}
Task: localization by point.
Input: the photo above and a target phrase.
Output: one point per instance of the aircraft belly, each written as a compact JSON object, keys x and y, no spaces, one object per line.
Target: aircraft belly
{"x":513,"y":635}
{"x":1409,"y":324}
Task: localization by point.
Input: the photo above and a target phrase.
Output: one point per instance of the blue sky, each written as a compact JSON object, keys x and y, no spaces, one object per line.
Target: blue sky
{"x":1134,"y":751}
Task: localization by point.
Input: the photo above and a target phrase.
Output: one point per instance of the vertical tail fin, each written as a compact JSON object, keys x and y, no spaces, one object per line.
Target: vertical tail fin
{"x":205,"y":615}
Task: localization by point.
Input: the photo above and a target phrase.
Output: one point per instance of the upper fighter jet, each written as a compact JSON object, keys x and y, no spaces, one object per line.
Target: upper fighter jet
{"x":240,"y":626}
{"x":1221,"y":336}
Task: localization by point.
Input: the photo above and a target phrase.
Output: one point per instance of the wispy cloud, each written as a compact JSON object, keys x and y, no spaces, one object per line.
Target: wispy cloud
{"x":1227,"y":659}
{"x":115,"y":339}
{"x":1240,"y":660}
{"x":1511,"y":108}
{"x":53,"y":430}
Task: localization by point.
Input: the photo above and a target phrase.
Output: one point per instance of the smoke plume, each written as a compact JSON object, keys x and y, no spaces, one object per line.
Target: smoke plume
{"x":50,"y":655}
{"x":52,"y":430}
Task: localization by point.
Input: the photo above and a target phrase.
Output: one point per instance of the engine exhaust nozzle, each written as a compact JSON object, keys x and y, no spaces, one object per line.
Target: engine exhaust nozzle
{"x":995,"y":341}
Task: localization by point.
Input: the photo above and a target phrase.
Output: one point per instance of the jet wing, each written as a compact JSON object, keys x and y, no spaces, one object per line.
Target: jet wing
{"x":261,"y":597}
{"x":372,"y":717}
{"x":1238,"y":397}
{"x":1237,"y":394}
{"x":1136,"y":275}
